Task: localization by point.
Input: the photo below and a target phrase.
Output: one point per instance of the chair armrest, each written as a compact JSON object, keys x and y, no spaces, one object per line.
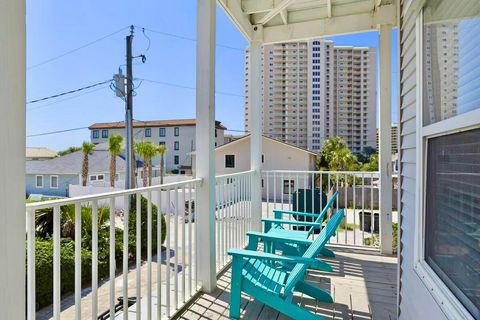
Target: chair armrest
{"x":293,"y":222}
{"x":298,"y":213}
{"x":314,"y":263}
{"x":275,"y":238}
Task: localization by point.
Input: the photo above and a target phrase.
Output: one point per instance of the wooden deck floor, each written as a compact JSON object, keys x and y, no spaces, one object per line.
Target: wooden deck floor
{"x":363,"y":286}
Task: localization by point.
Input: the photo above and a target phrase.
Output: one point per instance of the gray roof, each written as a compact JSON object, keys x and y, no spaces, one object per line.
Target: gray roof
{"x":98,"y":162}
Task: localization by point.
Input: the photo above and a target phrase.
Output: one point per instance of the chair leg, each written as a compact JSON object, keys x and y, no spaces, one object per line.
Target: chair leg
{"x":327,"y":253}
{"x":314,"y":292}
{"x":236,"y":288}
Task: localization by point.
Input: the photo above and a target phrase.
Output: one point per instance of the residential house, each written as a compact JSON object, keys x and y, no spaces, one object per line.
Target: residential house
{"x":39,"y":153}
{"x":53,"y":177}
{"x":177,"y":134}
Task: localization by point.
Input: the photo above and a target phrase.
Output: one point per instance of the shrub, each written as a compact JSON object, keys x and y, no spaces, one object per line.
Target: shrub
{"x":132,"y":227}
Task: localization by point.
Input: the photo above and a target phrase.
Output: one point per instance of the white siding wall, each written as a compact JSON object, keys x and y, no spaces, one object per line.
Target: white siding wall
{"x":415,"y":300}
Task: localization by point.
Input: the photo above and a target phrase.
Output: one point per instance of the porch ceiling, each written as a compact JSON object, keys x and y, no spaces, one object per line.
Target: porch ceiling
{"x":290,"y":20}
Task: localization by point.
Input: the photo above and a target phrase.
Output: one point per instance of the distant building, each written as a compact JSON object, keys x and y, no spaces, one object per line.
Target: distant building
{"x":394,"y":136}
{"x":314,"y":90}
{"x":178,"y":135}
{"x":39,"y":153}
{"x":232,"y":137}
{"x":52,"y":177}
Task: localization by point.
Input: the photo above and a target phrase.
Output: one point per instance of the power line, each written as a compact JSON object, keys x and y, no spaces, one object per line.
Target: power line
{"x":188,"y":87}
{"x":69,"y":92}
{"x":55,"y":132}
{"x":189,"y":39}
{"x":76,"y":49}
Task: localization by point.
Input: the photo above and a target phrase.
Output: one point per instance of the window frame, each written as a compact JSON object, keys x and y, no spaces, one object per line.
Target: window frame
{"x":234,"y":155}
{"x":51,"y":178}
{"x":36,"y":181}
{"x":176,"y":131}
{"x":148,"y":132}
{"x":176,"y":145}
{"x":175,"y":158}
{"x":105,"y":136}
{"x":95,"y":134}
{"x":162,"y":130}
{"x":444,"y":297}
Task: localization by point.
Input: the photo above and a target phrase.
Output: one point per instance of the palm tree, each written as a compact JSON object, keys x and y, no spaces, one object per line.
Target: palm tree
{"x":147,"y":151}
{"x":114,"y":147}
{"x":87,"y":148}
{"x":162,"y":149}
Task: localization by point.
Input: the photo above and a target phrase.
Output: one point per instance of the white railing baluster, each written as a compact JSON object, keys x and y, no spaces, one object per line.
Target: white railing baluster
{"x":190,"y":240}
{"x":372,"y":214}
{"x":94,"y":259}
{"x":138,"y":255}
{"x":167,"y":278}
{"x":183,"y":245}
{"x":267,"y":181}
{"x":175,"y":303}
{"x":159,"y":255}
{"x":126,"y":205}
{"x":30,"y":264}
{"x":363,"y":209}
{"x":149,"y":254}
{"x":274,"y":190}
{"x":56,"y":263}
{"x":345,"y":204}
{"x":112,"y":258}
{"x":78,"y":261}
{"x":354,"y":190}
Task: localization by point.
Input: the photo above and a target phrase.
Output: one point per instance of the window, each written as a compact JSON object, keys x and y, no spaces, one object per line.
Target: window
{"x":104,"y":133}
{"x":288,"y":186}
{"x":176,"y":131}
{"x":176,"y":145}
{"x":176,"y":160}
{"x":161,"y":132}
{"x":95,"y":134}
{"x":229,"y":161}
{"x":93,"y":178}
{"x":263,"y":158}
{"x":448,"y":153}
{"x":53,"y":182}
{"x":148,"y":132}
{"x":161,"y":143}
{"x":39,"y":181}
{"x":100,"y":177}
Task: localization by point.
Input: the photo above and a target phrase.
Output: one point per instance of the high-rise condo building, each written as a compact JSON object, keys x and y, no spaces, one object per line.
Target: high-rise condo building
{"x":314,"y":90}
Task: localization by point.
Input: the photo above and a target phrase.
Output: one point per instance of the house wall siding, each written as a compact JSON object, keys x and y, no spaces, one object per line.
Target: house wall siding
{"x":416,"y":302}
{"x":61,"y":191}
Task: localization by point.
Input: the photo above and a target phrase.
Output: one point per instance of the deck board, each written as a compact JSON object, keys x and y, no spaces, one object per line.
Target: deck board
{"x":363,"y":285}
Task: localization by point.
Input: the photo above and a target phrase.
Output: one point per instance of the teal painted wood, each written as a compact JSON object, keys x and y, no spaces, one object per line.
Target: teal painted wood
{"x":260,"y":275}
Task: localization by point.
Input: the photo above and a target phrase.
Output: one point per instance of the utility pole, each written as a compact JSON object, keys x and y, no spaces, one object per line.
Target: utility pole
{"x":130,"y":173}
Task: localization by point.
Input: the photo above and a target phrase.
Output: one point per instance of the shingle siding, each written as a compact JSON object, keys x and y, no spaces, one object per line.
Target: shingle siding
{"x":415,"y":300}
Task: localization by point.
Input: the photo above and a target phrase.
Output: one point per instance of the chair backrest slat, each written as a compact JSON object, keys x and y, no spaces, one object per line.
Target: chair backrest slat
{"x":324,"y":212}
{"x":313,"y":250}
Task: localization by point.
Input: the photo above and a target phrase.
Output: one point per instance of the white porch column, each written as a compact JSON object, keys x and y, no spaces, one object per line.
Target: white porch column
{"x":385,"y":139}
{"x":255,"y":103}
{"x":205,"y":144}
{"x":12,"y":163}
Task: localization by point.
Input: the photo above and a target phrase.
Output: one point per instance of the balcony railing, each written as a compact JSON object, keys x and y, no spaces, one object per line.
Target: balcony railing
{"x":174,"y":279}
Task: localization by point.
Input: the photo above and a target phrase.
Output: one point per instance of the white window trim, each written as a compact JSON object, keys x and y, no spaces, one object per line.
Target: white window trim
{"x":103,"y":177}
{"x":90,"y":177}
{"x":51,"y":177}
{"x":36,"y":180}
{"x":234,"y":160}
{"x":444,"y":297}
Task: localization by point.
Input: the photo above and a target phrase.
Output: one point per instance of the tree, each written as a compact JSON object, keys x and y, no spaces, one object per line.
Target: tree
{"x":87,"y":148}
{"x":336,"y":156}
{"x":372,"y":164}
{"x":147,"y":151}
{"x":68,"y":151}
{"x":114,"y":147}
{"x":162,"y":149}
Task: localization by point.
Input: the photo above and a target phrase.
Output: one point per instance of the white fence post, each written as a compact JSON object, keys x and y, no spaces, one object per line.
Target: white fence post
{"x":205,"y":144}
{"x":12,"y":168}
{"x":255,"y":102}
{"x":385,"y":140}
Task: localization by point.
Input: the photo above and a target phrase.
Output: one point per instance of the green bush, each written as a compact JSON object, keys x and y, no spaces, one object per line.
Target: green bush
{"x":132,"y":227}
{"x":375,"y":239}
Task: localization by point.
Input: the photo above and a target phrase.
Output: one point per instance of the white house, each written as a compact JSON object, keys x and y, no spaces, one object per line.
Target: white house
{"x":177,"y":134}
{"x":234,"y":157}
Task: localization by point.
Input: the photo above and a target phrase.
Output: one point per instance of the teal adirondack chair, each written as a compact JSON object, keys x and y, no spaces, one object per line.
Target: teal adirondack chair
{"x":261,"y":275}
{"x":276,"y":232}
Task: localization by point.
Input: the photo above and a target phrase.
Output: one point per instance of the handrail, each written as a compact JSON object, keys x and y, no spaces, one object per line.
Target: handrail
{"x":236,"y":174}
{"x":99,"y":196}
{"x":321,"y":172}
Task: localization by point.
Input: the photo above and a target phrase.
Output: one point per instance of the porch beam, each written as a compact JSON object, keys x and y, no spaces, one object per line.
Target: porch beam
{"x":255,"y":103}
{"x":12,"y":165}
{"x":255,"y":6}
{"x":385,"y":140}
{"x":275,"y":11}
{"x":354,"y":23}
{"x":329,"y":8}
{"x":239,"y":18}
{"x":284,"y":16}
{"x":205,"y":144}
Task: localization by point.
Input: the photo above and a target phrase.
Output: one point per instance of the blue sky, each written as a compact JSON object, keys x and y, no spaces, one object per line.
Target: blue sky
{"x":56,"y":27}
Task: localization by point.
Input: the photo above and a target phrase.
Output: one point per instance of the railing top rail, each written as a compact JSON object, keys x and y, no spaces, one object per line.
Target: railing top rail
{"x":106,"y":195}
{"x":324,"y":172}
{"x":236,"y":174}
